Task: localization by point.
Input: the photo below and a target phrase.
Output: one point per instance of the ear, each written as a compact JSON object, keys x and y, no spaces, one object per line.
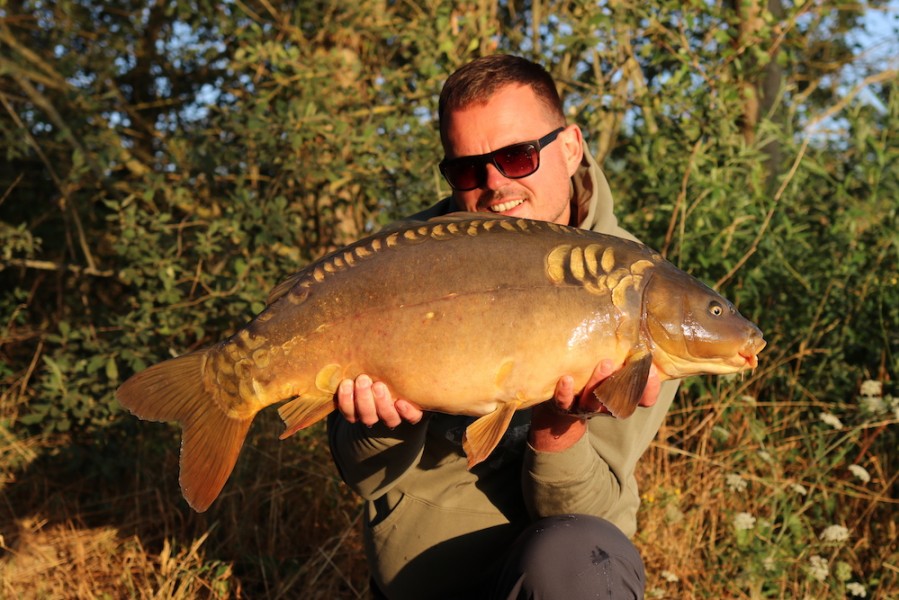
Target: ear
{"x":572,"y":147}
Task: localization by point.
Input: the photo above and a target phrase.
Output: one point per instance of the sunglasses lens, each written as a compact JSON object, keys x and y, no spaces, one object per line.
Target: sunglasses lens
{"x":462,"y":175}
{"x":515,"y":161}
{"x":518,"y":161}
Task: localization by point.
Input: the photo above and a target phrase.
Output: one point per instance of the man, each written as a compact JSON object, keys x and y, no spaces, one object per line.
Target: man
{"x":549,"y":513}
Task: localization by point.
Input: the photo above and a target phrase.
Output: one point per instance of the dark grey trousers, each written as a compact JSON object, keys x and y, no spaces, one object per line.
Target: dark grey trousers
{"x":570,"y":557}
{"x":566,"y":557}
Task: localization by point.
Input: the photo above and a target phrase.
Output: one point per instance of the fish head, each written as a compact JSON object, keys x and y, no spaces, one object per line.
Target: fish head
{"x":694,"y":330}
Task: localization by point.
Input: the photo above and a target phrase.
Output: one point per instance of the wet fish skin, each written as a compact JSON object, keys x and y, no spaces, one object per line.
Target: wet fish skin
{"x":468,"y":314}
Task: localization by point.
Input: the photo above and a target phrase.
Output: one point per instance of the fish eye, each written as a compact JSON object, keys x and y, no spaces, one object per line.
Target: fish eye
{"x":716,"y":309}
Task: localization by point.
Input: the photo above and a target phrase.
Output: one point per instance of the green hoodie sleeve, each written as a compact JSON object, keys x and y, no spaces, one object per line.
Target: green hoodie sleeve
{"x":595,"y":476}
{"x":371,"y":460}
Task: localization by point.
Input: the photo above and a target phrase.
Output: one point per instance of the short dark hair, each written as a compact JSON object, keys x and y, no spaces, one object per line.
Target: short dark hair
{"x":477,"y":81}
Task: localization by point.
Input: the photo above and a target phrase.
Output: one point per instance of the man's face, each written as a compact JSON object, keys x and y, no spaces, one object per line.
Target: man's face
{"x":514,"y":114}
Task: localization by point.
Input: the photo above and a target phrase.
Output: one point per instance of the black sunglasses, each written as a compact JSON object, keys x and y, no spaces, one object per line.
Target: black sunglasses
{"x":515,"y":161}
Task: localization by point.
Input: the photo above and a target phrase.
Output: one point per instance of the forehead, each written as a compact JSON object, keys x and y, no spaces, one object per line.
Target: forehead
{"x":514,"y":113}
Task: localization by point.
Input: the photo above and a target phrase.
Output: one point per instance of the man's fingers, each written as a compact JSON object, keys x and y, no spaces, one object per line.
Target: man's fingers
{"x":368,"y":402}
{"x":564,"y":393}
{"x":587,"y":402}
{"x":653,"y":386}
{"x":409,"y":411}
{"x":345,"y":400}
{"x":603,"y":369}
{"x":364,"y":401}
{"x":384,"y":405}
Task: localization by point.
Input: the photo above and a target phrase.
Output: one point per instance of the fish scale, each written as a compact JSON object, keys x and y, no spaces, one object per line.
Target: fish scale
{"x":468,"y":314}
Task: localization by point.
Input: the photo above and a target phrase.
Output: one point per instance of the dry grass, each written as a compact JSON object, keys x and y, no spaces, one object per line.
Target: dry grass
{"x":69,"y":561}
{"x":284,"y":528}
{"x":76,"y":525}
{"x":708,"y":466}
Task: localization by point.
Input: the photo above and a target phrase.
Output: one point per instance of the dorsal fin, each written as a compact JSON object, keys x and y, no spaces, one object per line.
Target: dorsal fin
{"x":284,"y":287}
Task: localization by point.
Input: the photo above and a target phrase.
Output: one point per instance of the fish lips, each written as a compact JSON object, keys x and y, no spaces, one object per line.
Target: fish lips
{"x":752,"y":349}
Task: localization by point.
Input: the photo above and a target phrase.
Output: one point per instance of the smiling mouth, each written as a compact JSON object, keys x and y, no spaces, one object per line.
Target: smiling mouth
{"x":504,"y":206}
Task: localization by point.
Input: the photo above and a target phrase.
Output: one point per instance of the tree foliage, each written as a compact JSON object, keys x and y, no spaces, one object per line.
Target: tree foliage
{"x":166,"y":163}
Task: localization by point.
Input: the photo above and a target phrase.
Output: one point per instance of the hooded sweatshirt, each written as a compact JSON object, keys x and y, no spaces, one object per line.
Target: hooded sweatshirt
{"x":435,"y":529}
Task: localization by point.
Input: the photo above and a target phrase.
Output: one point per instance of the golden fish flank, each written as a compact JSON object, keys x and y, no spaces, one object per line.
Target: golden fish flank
{"x":425,"y":293}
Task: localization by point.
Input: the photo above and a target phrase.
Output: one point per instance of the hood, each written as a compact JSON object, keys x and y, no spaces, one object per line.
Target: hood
{"x":592,"y":199}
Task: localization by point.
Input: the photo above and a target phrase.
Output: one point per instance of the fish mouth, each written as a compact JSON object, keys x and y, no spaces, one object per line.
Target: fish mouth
{"x":752,"y":360}
{"x":751,"y":351}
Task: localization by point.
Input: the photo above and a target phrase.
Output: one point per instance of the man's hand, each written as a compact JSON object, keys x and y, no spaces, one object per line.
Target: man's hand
{"x":368,"y":402}
{"x":553,"y":431}
{"x":564,"y":396}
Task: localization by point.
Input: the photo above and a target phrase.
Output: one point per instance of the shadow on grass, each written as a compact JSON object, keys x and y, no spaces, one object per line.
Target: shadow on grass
{"x":284,"y":525}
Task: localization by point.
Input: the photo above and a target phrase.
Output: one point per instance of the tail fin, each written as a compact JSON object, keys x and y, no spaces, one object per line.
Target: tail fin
{"x":174,"y":391}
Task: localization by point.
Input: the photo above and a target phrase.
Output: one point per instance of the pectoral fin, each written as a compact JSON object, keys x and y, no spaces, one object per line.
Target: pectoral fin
{"x":302,"y":412}
{"x":482,"y":436}
{"x":621,"y":392}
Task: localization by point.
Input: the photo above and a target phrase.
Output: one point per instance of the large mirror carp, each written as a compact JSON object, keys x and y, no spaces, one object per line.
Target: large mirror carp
{"x":467,"y":314}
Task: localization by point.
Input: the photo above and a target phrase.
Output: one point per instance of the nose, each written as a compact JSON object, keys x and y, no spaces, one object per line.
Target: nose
{"x":493,"y":179}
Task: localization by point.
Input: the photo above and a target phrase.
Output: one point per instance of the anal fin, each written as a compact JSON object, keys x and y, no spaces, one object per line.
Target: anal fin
{"x":482,"y":436}
{"x":621,"y":392}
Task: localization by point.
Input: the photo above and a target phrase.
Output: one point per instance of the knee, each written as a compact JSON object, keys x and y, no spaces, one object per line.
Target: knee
{"x":580,"y":556}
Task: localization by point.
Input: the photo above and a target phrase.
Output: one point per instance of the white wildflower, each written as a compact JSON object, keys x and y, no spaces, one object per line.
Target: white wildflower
{"x":871,"y":388}
{"x":835,"y":534}
{"x":765,"y":456}
{"x":735,"y":482}
{"x":743,"y":521}
{"x":799,"y":489}
{"x":669,"y":577}
{"x":818,"y":568}
{"x":769,"y":563}
{"x":860,"y":473}
{"x":873,"y":404}
{"x":832,"y":420}
{"x":856,"y":589}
